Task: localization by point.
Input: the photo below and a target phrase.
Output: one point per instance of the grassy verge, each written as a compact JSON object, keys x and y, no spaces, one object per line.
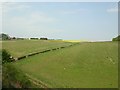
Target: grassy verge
{"x":14,"y":78}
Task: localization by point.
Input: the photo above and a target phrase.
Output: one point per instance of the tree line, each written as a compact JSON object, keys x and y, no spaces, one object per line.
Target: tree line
{"x":7,"y":37}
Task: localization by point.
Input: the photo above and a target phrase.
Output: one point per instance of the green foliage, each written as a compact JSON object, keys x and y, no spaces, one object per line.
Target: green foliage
{"x":5,"y":56}
{"x":12,"y":77}
{"x":34,"y":38}
{"x":43,"y":38}
{"x":116,"y":39}
{"x":4,"y":36}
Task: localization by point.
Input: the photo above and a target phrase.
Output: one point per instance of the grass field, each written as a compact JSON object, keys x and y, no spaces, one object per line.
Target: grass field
{"x":18,"y":48}
{"x":86,"y":65}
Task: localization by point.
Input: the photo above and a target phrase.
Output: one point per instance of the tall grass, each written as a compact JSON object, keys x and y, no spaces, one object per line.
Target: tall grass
{"x":14,"y":78}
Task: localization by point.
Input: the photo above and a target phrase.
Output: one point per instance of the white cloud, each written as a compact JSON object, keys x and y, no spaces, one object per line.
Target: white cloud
{"x":73,"y":11}
{"x":112,"y":10}
{"x":41,"y":17}
{"x":28,"y":21}
{"x":35,"y":22}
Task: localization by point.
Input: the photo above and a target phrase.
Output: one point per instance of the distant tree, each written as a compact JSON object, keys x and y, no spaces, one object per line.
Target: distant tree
{"x":14,"y":38}
{"x":116,"y":38}
{"x":43,"y":39}
{"x":34,"y":38}
{"x":4,"y":36}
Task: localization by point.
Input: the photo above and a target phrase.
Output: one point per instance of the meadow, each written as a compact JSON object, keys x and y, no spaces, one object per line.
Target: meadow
{"x":85,"y":65}
{"x":18,"y":48}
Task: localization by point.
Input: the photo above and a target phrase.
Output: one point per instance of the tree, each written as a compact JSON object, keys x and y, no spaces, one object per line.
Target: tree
{"x":14,"y":38}
{"x":4,"y":36}
{"x":116,"y":38}
{"x":43,"y":39}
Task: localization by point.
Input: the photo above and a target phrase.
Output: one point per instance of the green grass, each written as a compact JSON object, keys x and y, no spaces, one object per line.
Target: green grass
{"x":18,"y":48}
{"x":86,"y":65}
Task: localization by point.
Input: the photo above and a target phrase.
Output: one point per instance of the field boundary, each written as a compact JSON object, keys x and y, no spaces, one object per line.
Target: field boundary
{"x":44,"y":51}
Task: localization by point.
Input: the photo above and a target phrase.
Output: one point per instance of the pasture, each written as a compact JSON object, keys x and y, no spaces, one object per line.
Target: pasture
{"x":18,"y":48}
{"x":85,"y":65}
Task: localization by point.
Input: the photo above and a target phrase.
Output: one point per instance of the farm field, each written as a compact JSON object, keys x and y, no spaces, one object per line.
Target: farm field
{"x":18,"y":48}
{"x":86,"y":65}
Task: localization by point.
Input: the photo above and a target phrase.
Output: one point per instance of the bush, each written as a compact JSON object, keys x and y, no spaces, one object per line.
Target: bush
{"x":5,"y":56}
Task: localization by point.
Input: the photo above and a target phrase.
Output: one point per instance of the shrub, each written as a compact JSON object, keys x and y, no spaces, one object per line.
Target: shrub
{"x":5,"y":56}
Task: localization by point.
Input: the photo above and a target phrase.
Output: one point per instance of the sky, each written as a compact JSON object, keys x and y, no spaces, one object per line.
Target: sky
{"x":93,"y":21}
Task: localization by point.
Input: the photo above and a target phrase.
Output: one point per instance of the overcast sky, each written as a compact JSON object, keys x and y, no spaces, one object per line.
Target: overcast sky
{"x":72,"y":21}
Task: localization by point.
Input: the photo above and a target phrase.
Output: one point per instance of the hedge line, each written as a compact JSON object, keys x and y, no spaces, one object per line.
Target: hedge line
{"x":31,"y":54}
